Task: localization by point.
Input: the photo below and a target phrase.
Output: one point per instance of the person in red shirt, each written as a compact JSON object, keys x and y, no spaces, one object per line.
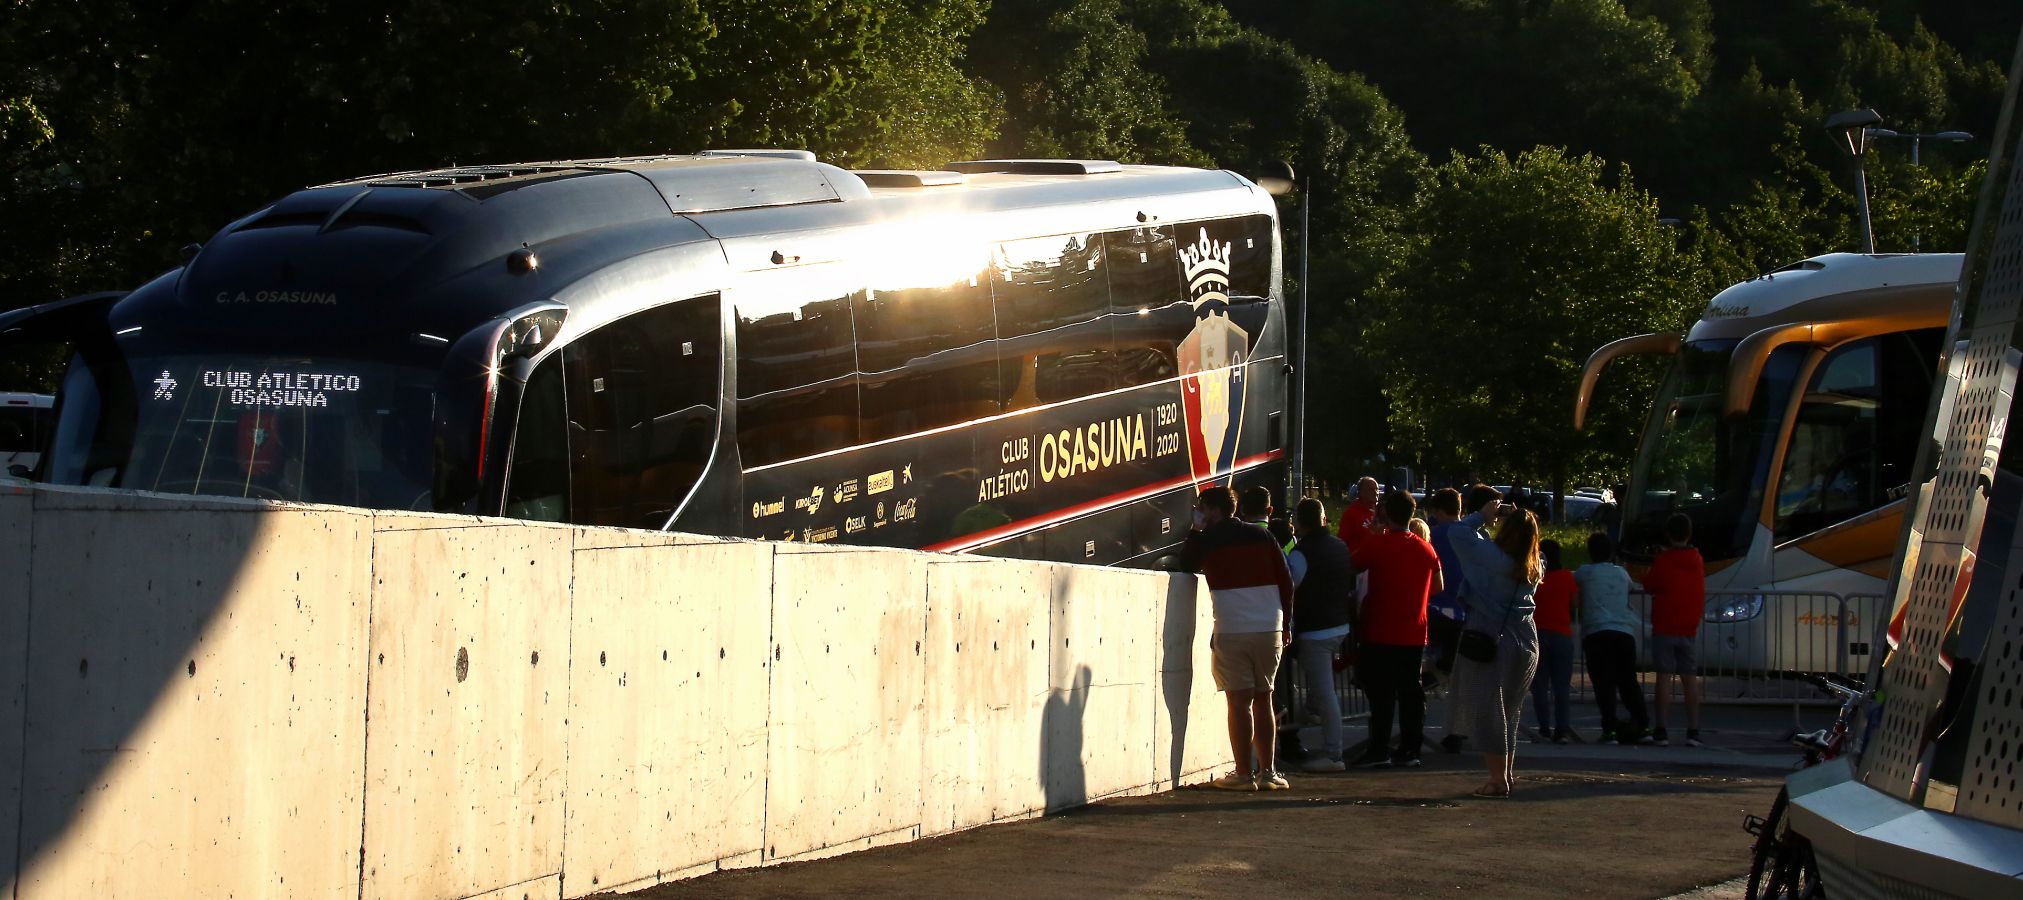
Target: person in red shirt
{"x":1357,"y":516}
{"x":1677,"y":583}
{"x":1403,"y":572}
{"x":1549,"y":689}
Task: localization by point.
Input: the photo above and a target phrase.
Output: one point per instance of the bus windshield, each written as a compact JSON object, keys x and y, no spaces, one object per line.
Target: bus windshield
{"x":1695,"y":461}
{"x":300,"y":427}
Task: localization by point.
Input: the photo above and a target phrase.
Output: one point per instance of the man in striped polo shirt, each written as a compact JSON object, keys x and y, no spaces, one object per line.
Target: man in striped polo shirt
{"x":1252,"y":590}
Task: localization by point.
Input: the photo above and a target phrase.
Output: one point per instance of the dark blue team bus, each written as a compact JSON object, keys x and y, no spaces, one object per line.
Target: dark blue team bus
{"x":1029,"y":358}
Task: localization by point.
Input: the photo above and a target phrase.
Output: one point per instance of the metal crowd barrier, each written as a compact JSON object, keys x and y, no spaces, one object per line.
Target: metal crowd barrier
{"x":1293,"y":683}
{"x":1753,"y":644}
{"x":1751,"y":647}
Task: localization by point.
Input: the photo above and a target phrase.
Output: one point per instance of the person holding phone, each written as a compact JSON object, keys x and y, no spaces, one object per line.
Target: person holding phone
{"x":1498,"y":650}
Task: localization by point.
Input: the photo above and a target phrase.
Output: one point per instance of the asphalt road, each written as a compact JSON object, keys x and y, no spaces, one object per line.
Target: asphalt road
{"x":1586,"y":820}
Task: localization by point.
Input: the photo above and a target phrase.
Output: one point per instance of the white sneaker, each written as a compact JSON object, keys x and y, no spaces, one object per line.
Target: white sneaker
{"x":1322,"y":764}
{"x":1270,"y":780}
{"x":1235,"y":781}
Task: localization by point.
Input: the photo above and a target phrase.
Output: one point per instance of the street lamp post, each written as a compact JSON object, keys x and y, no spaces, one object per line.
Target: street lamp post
{"x":1854,"y":127}
{"x":1282,"y":180}
{"x":1917,"y":139}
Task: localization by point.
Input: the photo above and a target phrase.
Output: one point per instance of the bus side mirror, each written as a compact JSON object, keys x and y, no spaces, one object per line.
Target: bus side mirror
{"x":467,"y":453}
{"x":466,"y":392}
{"x":531,"y":330}
{"x":20,"y":471}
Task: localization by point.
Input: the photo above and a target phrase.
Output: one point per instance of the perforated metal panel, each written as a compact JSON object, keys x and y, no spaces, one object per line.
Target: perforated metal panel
{"x":1991,"y":789}
{"x":1947,"y":525}
{"x":1846,"y":881}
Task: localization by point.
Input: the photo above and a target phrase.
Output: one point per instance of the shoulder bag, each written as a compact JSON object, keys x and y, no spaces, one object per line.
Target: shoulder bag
{"x":1480,"y":646}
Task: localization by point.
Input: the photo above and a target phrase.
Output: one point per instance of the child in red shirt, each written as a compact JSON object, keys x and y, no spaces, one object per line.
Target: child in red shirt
{"x":1677,"y":583}
{"x":1549,"y":688}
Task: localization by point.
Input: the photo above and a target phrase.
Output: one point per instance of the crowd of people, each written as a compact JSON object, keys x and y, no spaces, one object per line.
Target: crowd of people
{"x":1467,"y":599}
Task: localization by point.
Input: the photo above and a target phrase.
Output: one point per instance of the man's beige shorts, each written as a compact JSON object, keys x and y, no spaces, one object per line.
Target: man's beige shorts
{"x":1245,"y":661}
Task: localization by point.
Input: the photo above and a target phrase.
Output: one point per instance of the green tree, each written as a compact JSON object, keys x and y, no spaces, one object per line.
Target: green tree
{"x":1183,"y":81}
{"x":1689,"y":24}
{"x":860,"y":82}
{"x":1625,"y":86}
{"x":1250,"y":100}
{"x":1524,"y":266}
{"x":132,"y":128}
{"x":1916,"y":207}
{"x":1076,"y":84}
{"x":916,"y":106}
{"x":1586,"y":74}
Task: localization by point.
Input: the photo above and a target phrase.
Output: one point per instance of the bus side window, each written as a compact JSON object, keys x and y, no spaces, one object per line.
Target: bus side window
{"x":797,"y":365}
{"x":1149,"y":312}
{"x":537,"y":483}
{"x":927,"y":355}
{"x":1856,"y":433}
{"x":643,"y":395}
{"x":1053,"y":301}
{"x":1250,"y":246}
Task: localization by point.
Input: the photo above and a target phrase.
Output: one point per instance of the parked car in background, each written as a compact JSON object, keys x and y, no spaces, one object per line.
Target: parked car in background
{"x":1579,"y":508}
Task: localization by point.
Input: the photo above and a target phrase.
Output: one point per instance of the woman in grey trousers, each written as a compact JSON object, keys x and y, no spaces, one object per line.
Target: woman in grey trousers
{"x":1502,"y":575}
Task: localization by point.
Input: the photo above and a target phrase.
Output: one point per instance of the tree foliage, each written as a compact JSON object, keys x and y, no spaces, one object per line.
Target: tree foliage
{"x":128,"y":129}
{"x":1076,"y":84}
{"x":137,"y":127}
{"x":1257,"y":100}
{"x":1524,"y":265}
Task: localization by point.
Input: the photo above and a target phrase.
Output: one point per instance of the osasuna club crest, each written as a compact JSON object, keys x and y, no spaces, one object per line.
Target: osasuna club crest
{"x":1211,"y":362}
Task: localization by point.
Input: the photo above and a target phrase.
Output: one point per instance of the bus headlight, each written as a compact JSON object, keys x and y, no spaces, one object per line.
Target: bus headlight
{"x":1736,"y":609}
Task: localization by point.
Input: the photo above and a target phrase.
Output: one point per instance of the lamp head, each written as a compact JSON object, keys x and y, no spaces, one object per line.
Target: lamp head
{"x":1277,"y":178}
{"x":1851,"y":129}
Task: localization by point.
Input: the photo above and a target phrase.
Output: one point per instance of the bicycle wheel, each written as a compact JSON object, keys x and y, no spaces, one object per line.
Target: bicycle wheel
{"x":1806,"y":885}
{"x":1767,"y":849}
{"x":1791,"y":873}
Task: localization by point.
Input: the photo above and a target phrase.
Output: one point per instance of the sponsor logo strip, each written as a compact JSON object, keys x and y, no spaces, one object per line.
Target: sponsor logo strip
{"x":1014,"y":529}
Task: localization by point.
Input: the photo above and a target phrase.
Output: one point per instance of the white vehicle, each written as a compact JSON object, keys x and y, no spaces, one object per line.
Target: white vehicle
{"x":1786,"y":430}
{"x":25,"y":420}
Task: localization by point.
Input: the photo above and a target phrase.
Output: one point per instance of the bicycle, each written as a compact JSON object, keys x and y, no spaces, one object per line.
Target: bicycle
{"x":1784,"y":856}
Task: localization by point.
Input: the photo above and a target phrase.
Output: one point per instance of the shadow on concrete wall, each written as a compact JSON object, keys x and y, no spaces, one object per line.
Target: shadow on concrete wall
{"x":1176,"y":676}
{"x":1061,"y":740}
{"x":119,"y":631}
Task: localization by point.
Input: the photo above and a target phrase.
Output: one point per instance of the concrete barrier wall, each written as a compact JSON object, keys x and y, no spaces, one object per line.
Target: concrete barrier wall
{"x":227,"y":698}
{"x":986,"y":693}
{"x":14,"y":511}
{"x":667,"y":711}
{"x":195,"y":679}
